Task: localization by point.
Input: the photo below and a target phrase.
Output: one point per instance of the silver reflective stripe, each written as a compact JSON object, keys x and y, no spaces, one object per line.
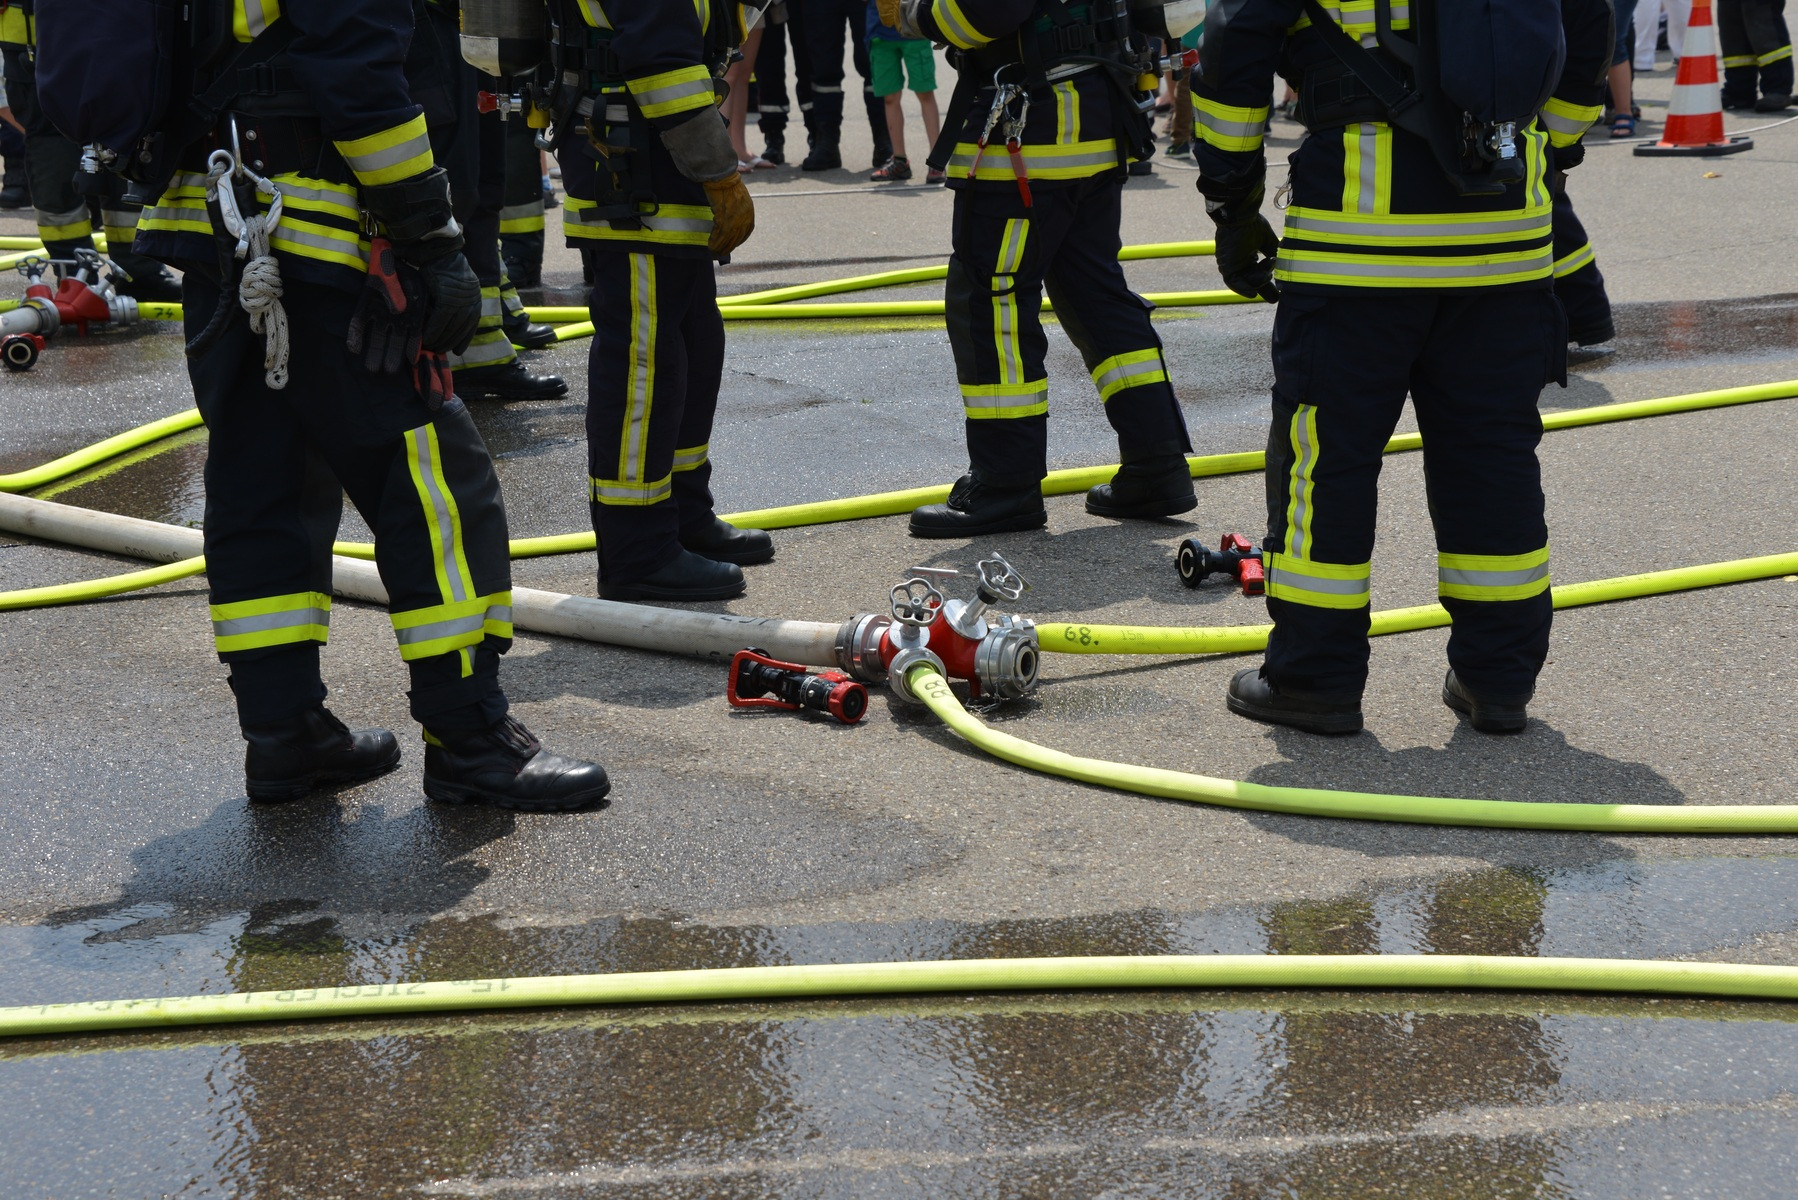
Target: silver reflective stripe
{"x":440,"y":629}
{"x":294,"y":191}
{"x":1129,"y":371}
{"x":686,"y":460}
{"x":1492,"y":579}
{"x":1301,"y":474}
{"x":668,"y":93}
{"x":949,"y":21}
{"x":376,"y":160}
{"x":63,"y":218}
{"x":446,"y":527}
{"x":660,"y":491}
{"x":518,"y":212}
{"x":1543,"y":261}
{"x":1377,"y":230}
{"x":825,"y":89}
{"x":292,"y":618}
{"x":618,"y":112}
{"x":489,"y":348}
{"x":1367,"y":200}
{"x":491,"y":307}
{"x":254,"y":21}
{"x":643,"y":349}
{"x":1287,"y":577}
{"x":1226,"y":128}
{"x":1556,"y":123}
{"x":651,"y":221}
{"x":1036,"y":158}
{"x":344,"y":243}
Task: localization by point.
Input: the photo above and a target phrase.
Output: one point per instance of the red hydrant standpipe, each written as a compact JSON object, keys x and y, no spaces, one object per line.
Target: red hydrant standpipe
{"x":995,"y":653}
{"x":81,"y":298}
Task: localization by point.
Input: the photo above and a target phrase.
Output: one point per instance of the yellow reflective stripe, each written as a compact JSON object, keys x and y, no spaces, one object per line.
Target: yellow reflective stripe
{"x":1367,"y":169}
{"x":1067,"y":113}
{"x":1130,"y":370}
{"x":1229,"y":126}
{"x":64,"y":226}
{"x":690,"y":457}
{"x":1418,"y":229}
{"x":1000,"y":401}
{"x":302,"y":193}
{"x":1076,"y":160}
{"x":1739,"y":60}
{"x":522,"y":218}
{"x":955,"y":25}
{"x":1318,"y":584}
{"x":640,"y":379}
{"x":271,"y":621}
{"x":670,"y":92}
{"x":445,"y":628}
{"x":16,"y":27}
{"x":1357,"y":16}
{"x":488,"y":348}
{"x":669,"y":225}
{"x":390,"y":155}
{"x":629,"y":492}
{"x":492,"y":311}
{"x":1297,"y":265}
{"x":1006,"y":342}
{"x":1299,"y":485}
{"x":1773,"y":56}
{"x":119,"y":236}
{"x":1492,"y":577}
{"x":251,"y":17}
{"x":326,"y":243}
{"x":1566,"y":122}
{"x":443,"y":522}
{"x":593,"y":14}
{"x":1570,"y":263}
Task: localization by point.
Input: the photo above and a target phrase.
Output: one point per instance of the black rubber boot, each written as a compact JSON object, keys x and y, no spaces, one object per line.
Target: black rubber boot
{"x":825,"y":154}
{"x":1773,"y":102}
{"x":288,"y":759}
{"x":688,"y":577}
{"x":723,"y":542}
{"x":528,"y":334}
{"x":1488,"y":714}
{"x":975,"y":508}
{"x":507,"y":767}
{"x":1158,"y":486}
{"x":1593,"y":335}
{"x":506,"y":382}
{"x":774,"y":148}
{"x":1255,"y":697}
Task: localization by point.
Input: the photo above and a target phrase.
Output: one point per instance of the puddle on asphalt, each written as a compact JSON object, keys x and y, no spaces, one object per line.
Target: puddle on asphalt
{"x":1134,"y":1094}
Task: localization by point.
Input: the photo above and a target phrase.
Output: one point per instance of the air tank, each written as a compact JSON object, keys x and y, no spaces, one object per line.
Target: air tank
{"x":505,"y":38}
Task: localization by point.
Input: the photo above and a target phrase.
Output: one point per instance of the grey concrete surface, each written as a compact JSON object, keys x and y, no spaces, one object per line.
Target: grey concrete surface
{"x":133,"y":865}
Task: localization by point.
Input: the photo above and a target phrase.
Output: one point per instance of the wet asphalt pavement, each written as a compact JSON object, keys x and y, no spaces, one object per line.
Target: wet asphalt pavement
{"x":133,"y":865}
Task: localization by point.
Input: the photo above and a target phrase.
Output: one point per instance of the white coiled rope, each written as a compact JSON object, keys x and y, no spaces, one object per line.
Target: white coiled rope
{"x":259,"y":290}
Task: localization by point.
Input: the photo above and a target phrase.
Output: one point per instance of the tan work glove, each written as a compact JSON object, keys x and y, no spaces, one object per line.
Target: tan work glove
{"x":733,"y":213}
{"x":889,"y":12}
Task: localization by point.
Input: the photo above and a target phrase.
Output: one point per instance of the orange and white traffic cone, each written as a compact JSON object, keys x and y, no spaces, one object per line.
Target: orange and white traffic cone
{"x":1695,"y":116}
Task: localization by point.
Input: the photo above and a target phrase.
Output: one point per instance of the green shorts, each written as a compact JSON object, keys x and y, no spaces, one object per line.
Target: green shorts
{"x":885,"y":56}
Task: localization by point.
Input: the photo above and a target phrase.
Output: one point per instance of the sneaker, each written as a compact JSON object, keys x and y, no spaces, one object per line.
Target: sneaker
{"x":896,"y":169}
{"x":935,"y":176}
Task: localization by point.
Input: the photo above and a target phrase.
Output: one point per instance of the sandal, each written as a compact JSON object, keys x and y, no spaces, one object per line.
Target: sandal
{"x":1623,"y":125}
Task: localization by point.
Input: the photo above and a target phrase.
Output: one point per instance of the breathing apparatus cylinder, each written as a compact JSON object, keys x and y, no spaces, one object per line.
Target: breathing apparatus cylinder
{"x":505,"y":38}
{"x":1173,"y":20}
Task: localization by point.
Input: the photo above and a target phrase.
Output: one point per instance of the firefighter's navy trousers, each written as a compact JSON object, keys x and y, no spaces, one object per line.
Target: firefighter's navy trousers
{"x":1005,"y":255}
{"x":277,"y":468}
{"x":1474,"y":362}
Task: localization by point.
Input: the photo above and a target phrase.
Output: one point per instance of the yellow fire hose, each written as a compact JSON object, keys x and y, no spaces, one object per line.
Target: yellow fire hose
{"x":934,"y":690}
{"x":1396,"y":972}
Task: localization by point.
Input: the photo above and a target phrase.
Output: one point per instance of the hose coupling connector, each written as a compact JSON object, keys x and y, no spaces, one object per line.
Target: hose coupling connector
{"x":902,"y":664}
{"x":858,"y":646}
{"x":1008,"y":659}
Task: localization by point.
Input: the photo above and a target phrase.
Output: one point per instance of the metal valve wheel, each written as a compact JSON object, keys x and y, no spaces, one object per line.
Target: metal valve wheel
{"x":1001,"y":578}
{"x":915,"y":602}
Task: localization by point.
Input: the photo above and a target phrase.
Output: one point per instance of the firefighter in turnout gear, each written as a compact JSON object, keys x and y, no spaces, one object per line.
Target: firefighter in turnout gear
{"x":1396,"y":277}
{"x":653,"y":197}
{"x":314,"y":96}
{"x":53,"y":165}
{"x":1036,"y":138}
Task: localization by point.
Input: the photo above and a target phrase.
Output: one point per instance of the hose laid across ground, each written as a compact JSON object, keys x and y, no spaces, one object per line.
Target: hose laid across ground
{"x":99,"y":452}
{"x":112,"y":585}
{"x":1396,"y":972}
{"x":1072,"y":638}
{"x":933,"y":689}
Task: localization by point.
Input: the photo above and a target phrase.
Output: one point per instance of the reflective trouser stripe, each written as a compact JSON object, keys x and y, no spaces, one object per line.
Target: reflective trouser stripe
{"x":522,"y":218}
{"x":271,"y":621}
{"x":1012,"y":395}
{"x":390,"y":155}
{"x":1318,"y":584}
{"x":1130,"y":370}
{"x":1367,"y":169}
{"x":445,"y":628}
{"x":1228,"y":127}
{"x":492,"y":311}
{"x":1773,"y":56}
{"x":64,"y":226}
{"x":691,"y":457}
{"x":1299,"y":483}
{"x":488,"y":348}
{"x":443,"y":523}
{"x":671,"y":92}
{"x":1733,"y":62}
{"x":1569,"y":263}
{"x":1566,"y":122}
{"x":1492,"y":576}
{"x":640,"y":377}
{"x":989,"y":401}
{"x":508,"y":298}
{"x":627,"y":492}
{"x":1075,"y":160}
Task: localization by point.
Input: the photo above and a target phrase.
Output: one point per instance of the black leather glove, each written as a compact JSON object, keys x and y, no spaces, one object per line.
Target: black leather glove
{"x":390,"y":323}
{"x":1246,"y":246}
{"x":421,"y":226}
